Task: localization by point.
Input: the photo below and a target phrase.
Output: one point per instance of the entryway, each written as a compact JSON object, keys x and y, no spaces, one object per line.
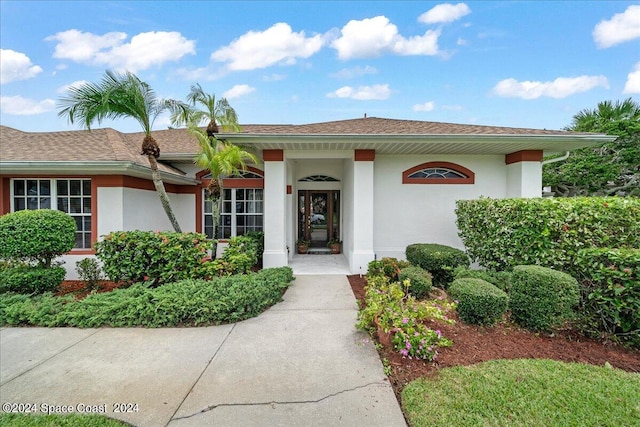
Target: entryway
{"x":318,"y":216}
{"x":316,"y":264}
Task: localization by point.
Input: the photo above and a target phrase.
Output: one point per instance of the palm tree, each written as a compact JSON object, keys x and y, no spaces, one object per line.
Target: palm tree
{"x":120,"y":95}
{"x":221,"y":158}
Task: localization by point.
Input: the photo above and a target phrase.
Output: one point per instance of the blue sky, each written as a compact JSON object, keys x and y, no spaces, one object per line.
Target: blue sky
{"x":522,"y":64}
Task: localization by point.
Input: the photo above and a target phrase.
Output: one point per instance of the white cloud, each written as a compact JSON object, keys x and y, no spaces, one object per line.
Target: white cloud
{"x":633,"y":80}
{"x":261,"y":49}
{"x":65,"y":88}
{"x":274,"y":77}
{"x":350,"y":73}
{"x":559,"y":88}
{"x":427,"y":106}
{"x":621,"y":28}
{"x":363,"y":93}
{"x":144,"y":51}
{"x":374,"y":36}
{"x":462,"y":42}
{"x":16,"y":66}
{"x":238,"y":90}
{"x":19,"y":106}
{"x":444,"y":13}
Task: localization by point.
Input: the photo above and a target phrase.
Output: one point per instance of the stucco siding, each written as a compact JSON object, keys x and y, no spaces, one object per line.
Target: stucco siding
{"x":425,"y":213}
{"x":142,"y":210}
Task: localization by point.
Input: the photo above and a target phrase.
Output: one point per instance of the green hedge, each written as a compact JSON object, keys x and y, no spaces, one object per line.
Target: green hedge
{"x":184,"y":303}
{"x":542,"y":298}
{"x":36,"y":236}
{"x":31,"y":280}
{"x":500,"y":234}
{"x":387,"y":266}
{"x":439,"y":260}
{"x":479,"y":302}
{"x":610,"y":281}
{"x":159,"y":257}
{"x":420,"y":280}
{"x":499,"y":279}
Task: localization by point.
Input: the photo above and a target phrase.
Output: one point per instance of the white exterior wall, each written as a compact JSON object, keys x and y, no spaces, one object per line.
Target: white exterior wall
{"x":363,"y":216}
{"x":425,"y":213}
{"x":524,"y":179}
{"x":275,"y":247}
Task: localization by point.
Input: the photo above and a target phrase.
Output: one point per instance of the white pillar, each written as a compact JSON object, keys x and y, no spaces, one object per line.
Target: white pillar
{"x":363,"y":211}
{"x":275,"y":185}
{"x":524,"y":174}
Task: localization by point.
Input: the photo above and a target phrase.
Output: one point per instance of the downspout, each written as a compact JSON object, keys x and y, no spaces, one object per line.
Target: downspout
{"x":562,"y":158}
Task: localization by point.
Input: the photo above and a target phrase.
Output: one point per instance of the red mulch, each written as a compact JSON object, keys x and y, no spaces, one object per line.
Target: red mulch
{"x":474,"y":344}
{"x":79,"y":289}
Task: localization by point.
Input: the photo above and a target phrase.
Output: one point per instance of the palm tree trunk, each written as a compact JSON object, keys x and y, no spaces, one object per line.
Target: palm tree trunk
{"x":216,"y":219}
{"x":162,"y":193}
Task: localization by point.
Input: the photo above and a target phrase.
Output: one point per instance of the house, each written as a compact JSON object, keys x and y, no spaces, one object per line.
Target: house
{"x":376,"y":184}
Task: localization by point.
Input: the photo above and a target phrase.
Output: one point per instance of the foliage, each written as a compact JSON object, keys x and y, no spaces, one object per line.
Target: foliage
{"x":390,"y":308}
{"x":420,"y":280}
{"x":158,"y":257}
{"x":610,"y":168}
{"x":387,"y":266}
{"x":36,"y":236}
{"x":501,"y":233}
{"x":542,"y":298}
{"x":610,"y":303}
{"x":31,"y":280}
{"x":55,"y":420}
{"x":499,"y":279}
{"x":89,"y":271}
{"x":479,"y":302}
{"x":239,"y":257}
{"x":439,"y":260}
{"x":258,"y":238}
{"x":185,"y":303}
{"x":524,"y":392}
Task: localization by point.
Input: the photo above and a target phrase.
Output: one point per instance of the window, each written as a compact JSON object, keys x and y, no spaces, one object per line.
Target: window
{"x":72,"y":196}
{"x":438,"y":173}
{"x":242,"y":210}
{"x":318,"y":178}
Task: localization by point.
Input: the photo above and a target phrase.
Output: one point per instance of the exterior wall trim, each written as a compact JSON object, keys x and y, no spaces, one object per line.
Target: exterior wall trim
{"x":523,"y":156}
{"x":470,"y":179}
{"x":364,"y":155}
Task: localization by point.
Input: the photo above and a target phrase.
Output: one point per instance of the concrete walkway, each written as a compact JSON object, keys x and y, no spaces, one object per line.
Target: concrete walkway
{"x":301,"y":363}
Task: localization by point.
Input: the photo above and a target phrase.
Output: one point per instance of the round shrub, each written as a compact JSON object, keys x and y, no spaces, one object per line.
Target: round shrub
{"x":36,"y":235}
{"x":420,"y":280}
{"x":542,"y":298}
{"x":31,"y":280}
{"x":387,"y":266}
{"x":439,"y":260}
{"x":479,"y":302}
{"x":499,"y":279}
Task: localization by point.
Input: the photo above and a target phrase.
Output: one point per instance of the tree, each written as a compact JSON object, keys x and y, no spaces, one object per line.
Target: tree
{"x":610,"y":168}
{"x":120,"y":95}
{"x":221,"y":158}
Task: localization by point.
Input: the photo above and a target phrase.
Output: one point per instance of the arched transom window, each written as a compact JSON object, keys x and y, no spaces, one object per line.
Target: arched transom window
{"x":318,"y":178}
{"x":438,"y":173}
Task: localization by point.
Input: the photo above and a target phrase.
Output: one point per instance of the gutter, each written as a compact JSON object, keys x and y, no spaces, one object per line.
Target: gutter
{"x":562,"y":158}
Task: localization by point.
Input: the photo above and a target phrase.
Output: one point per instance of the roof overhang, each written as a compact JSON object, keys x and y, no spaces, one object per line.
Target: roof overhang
{"x":89,"y":168}
{"x":418,"y":144}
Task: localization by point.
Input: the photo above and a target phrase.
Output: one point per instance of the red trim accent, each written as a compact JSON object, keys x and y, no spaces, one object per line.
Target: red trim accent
{"x":523,"y":156}
{"x":364,"y":155}
{"x":289,"y":189}
{"x":5,"y":195}
{"x":273,"y":155}
{"x":469,"y":180}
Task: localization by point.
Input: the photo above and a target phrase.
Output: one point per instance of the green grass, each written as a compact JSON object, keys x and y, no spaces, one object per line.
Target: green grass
{"x":73,"y":420}
{"x":524,"y":392}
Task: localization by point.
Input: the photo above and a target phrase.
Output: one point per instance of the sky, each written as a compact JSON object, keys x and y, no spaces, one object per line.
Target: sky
{"x":532,"y":64}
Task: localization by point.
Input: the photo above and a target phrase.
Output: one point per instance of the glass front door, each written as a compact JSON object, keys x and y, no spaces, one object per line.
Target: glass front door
{"x":318,"y":216}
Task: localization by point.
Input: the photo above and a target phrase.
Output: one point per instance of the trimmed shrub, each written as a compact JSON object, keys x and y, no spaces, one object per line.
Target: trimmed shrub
{"x":387,"y":266}
{"x":420,"y":280}
{"x":499,"y":279}
{"x":36,"y":236}
{"x":439,"y":260}
{"x":239,"y":257}
{"x":31,"y":280}
{"x":89,"y":271}
{"x":502,"y":233}
{"x":610,"y":303}
{"x":185,"y":303}
{"x":160,"y":257}
{"x":542,"y":298}
{"x":479,"y":302}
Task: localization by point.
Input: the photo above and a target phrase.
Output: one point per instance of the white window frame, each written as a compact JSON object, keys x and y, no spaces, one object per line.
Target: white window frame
{"x":233,"y":214}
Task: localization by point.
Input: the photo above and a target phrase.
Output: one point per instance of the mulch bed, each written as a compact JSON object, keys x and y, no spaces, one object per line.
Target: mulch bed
{"x":474,"y":344}
{"x":79,"y":289}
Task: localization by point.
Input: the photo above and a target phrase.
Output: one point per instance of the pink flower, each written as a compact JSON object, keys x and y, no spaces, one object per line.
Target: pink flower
{"x":405,"y":320}
{"x":404,"y":352}
{"x":438,"y":333}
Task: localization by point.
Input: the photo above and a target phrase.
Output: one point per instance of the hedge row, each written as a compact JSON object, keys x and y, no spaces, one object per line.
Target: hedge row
{"x":439,"y":260}
{"x":184,"y":303}
{"x":502,"y":233}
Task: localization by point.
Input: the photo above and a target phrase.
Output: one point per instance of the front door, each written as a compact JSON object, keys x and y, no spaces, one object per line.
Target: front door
{"x":318,"y":213}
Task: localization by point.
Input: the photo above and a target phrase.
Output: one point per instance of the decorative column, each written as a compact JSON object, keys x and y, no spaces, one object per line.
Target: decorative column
{"x":363,"y":211}
{"x":274,"y":216}
{"x":524,"y":173}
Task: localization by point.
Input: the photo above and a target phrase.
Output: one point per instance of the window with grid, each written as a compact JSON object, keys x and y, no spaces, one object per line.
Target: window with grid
{"x":72,"y":196}
{"x":242,"y":211}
